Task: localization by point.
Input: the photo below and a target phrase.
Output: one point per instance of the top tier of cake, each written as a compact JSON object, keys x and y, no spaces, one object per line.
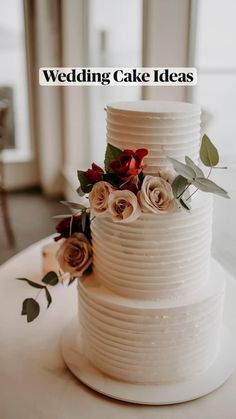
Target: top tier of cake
{"x":164,"y":128}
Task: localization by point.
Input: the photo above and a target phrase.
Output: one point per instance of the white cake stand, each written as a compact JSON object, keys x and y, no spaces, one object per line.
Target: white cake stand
{"x":152,"y":394}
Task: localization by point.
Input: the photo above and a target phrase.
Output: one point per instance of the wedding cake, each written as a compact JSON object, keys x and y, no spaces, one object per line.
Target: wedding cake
{"x":151,"y":311}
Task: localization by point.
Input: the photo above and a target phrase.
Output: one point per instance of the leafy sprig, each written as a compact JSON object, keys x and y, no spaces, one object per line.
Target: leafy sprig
{"x":30,"y":306}
{"x":189,"y":173}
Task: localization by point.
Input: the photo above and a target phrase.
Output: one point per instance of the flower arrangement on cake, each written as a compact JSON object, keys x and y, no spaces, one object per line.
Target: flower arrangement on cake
{"x":121,"y":190}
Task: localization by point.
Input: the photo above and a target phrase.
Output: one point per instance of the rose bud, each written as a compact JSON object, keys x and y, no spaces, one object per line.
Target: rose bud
{"x":95,"y":174}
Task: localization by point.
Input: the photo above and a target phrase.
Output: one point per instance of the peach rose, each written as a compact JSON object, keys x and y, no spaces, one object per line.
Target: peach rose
{"x":98,"y":197}
{"x":123,"y":206}
{"x":156,"y":195}
{"x":75,"y":254}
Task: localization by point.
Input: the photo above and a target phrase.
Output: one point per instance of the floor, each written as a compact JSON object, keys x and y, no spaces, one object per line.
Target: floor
{"x":32,"y":219}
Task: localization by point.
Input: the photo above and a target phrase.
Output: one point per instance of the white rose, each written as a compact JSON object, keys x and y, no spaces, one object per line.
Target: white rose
{"x":123,"y":206}
{"x":156,"y":195}
{"x":98,"y":197}
{"x":75,"y":254}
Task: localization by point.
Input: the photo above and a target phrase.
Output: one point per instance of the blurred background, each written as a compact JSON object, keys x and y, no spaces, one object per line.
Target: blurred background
{"x":51,"y":132}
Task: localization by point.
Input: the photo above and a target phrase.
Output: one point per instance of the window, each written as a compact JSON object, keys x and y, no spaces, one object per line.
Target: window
{"x":13,"y":77}
{"x":215,"y":58}
{"x":114,"y":39}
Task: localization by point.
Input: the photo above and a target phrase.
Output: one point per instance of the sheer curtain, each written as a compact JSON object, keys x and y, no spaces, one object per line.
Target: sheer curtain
{"x":56,"y":29}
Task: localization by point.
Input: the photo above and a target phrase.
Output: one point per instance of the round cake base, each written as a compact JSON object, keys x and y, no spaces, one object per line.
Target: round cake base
{"x":151,"y":394}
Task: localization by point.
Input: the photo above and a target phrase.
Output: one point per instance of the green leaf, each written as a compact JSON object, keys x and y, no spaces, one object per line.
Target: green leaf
{"x":197,"y":170}
{"x":48,"y":296}
{"x":72,"y":279}
{"x":178,"y":185}
{"x":33,"y":284}
{"x":85,"y":184}
{"x":206,"y":185}
{"x":184,"y":204}
{"x":73,"y":205}
{"x":183,"y":170}
{"x":208,"y":152}
{"x":79,"y":191}
{"x":112,"y":153}
{"x":51,"y":278}
{"x":30,"y":308}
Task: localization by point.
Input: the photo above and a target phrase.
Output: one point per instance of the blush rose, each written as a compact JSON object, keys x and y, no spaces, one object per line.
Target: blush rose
{"x":98,"y":197}
{"x":123,"y":206}
{"x":75,"y":254}
{"x":156,"y":195}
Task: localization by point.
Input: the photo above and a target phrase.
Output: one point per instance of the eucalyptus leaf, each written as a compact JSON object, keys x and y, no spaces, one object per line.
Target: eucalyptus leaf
{"x":51,"y":278}
{"x":197,"y":170}
{"x":178,"y":185}
{"x":206,"y":185}
{"x":112,"y":153}
{"x":33,"y":284}
{"x":48,"y":296}
{"x":73,"y":205}
{"x":85,"y":184}
{"x":184,"y":204}
{"x":71,"y":280}
{"x":208,"y":152}
{"x":183,"y":170}
{"x":80,"y":191}
{"x":31,"y":309}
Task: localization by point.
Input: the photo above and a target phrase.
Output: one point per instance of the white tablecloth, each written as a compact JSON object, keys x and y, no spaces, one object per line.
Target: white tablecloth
{"x":34,"y":381}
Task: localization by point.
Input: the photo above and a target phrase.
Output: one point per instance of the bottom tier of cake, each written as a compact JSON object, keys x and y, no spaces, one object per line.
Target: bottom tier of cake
{"x":159,"y":341}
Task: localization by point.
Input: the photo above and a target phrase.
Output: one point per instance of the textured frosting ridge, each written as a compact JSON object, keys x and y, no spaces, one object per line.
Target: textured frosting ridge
{"x":156,"y":255}
{"x":151,"y":312}
{"x":164,"y":341}
{"x":164,"y":128}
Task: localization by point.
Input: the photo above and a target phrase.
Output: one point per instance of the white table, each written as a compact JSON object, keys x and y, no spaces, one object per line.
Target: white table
{"x":34,"y":381}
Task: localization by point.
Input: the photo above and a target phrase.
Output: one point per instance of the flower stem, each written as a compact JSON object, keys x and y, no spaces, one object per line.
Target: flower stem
{"x":185,"y":189}
{"x":198,"y":188}
{"x":71,"y":224}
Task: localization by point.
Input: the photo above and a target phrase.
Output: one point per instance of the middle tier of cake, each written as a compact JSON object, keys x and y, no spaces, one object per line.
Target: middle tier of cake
{"x":156,"y":256}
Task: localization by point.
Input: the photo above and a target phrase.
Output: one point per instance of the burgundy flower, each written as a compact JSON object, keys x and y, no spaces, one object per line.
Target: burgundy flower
{"x":64,"y":228}
{"x":129,"y":164}
{"x":94,"y":175}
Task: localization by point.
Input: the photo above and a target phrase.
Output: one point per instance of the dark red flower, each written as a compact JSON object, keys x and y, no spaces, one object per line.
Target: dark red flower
{"x":65,"y":228}
{"x":129,"y":164}
{"x":94,"y":175}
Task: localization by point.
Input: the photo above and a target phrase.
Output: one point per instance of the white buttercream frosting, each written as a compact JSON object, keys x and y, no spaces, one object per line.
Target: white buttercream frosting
{"x":150,"y":341}
{"x":151,"y":311}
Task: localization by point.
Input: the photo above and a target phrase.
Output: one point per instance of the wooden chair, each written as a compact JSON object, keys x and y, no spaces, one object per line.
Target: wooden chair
{"x":3,"y":192}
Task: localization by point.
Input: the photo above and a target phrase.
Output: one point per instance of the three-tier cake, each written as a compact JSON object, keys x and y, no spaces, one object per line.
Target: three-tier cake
{"x":151,"y":312}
